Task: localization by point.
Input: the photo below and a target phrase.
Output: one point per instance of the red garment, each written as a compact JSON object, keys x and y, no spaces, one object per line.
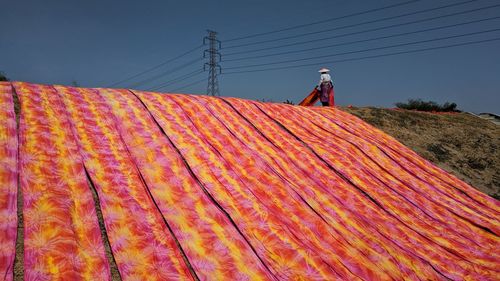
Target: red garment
{"x":331,"y":97}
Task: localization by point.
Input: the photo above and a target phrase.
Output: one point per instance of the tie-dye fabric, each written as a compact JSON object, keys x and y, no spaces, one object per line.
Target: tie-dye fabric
{"x":8,"y":181}
{"x":311,"y":99}
{"x":62,"y":240}
{"x":204,"y":188}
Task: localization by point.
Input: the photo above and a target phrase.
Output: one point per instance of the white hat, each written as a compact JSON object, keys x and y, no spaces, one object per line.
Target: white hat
{"x":324,"y":70}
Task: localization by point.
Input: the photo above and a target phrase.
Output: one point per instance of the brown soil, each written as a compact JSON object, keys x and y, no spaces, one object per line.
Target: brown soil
{"x":460,"y":143}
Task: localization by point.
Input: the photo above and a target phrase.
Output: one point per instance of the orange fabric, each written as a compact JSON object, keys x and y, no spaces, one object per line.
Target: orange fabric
{"x":311,"y":99}
{"x":230,"y":189}
{"x":62,"y":240}
{"x":141,"y":243}
{"x":8,"y":181}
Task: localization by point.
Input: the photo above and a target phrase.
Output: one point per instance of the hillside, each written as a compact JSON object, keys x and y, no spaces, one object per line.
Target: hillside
{"x":460,"y":143}
{"x":116,"y":184}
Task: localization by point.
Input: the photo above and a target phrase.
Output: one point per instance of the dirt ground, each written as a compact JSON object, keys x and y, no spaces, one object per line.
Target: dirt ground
{"x":460,"y":143}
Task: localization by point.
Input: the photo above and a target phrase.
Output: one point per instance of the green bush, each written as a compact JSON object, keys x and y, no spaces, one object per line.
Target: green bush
{"x":418,"y":104}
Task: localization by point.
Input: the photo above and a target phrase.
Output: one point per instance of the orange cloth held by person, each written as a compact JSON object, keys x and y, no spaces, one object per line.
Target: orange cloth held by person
{"x":323,"y":92}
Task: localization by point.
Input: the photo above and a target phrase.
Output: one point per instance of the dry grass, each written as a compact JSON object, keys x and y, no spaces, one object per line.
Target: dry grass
{"x":460,"y":143}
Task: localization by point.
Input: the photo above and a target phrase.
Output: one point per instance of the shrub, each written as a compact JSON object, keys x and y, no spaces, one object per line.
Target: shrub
{"x":3,"y":77}
{"x":418,"y":104}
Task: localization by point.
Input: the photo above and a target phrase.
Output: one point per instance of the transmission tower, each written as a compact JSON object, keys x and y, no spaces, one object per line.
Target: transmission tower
{"x":213,"y":62}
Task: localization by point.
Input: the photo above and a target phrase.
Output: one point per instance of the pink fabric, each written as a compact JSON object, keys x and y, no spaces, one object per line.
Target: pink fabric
{"x":8,"y":181}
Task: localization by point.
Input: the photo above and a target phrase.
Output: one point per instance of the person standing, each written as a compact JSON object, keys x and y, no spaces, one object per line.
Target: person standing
{"x":325,"y":87}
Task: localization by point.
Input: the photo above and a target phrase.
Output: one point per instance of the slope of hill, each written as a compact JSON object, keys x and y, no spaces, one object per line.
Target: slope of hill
{"x":122,"y":184}
{"x":461,"y":143}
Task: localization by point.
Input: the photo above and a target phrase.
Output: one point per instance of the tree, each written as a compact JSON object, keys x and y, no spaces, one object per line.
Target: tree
{"x":3,"y":77}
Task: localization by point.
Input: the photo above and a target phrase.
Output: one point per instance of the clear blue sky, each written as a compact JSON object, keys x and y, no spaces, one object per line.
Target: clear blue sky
{"x":97,"y":43}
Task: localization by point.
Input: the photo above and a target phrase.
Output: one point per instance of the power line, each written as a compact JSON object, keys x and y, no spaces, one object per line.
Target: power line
{"x":321,"y":21}
{"x":350,"y":25}
{"x":168,"y":72}
{"x":176,"y":80}
{"x":156,"y":66}
{"x":360,"y":41}
{"x":190,"y":84}
{"x":363,"y":31}
{"x":367,"y":57}
{"x":366,"y":50}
